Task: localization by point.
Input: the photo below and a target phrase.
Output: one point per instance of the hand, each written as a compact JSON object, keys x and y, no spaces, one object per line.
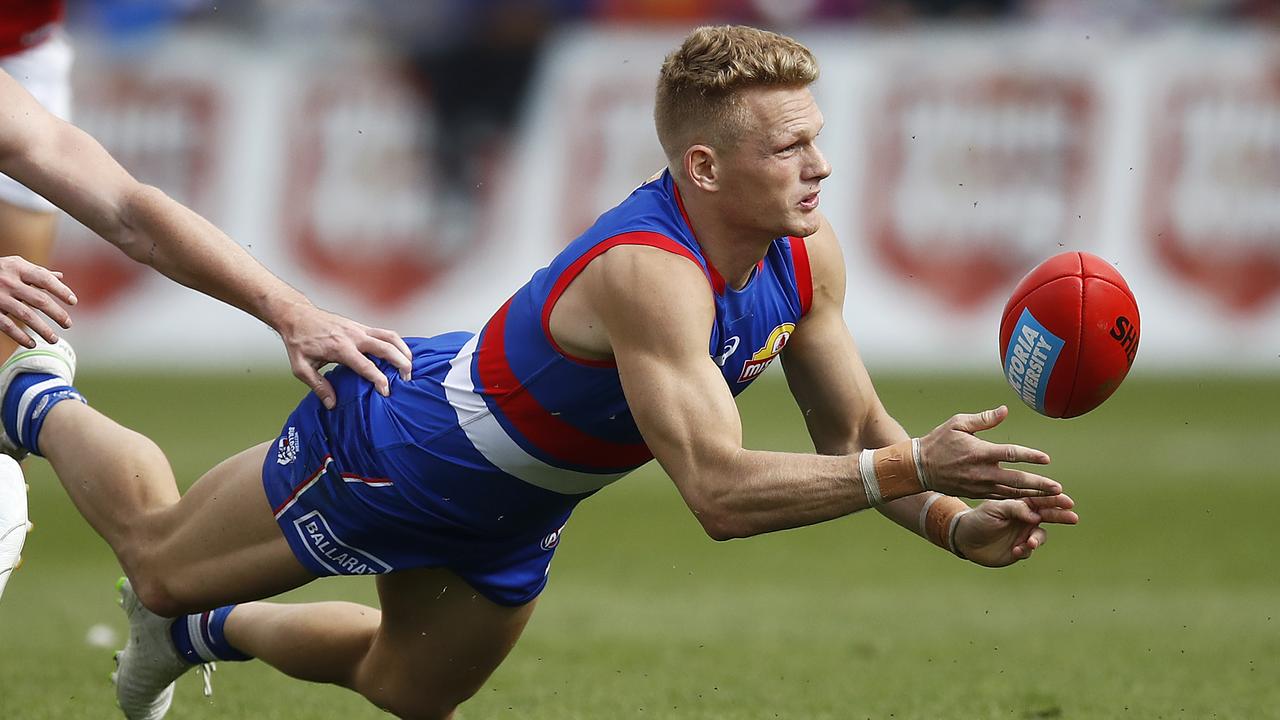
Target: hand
{"x":1002,"y":532}
{"x":314,"y":338}
{"x":26,"y":287}
{"x":956,"y":462}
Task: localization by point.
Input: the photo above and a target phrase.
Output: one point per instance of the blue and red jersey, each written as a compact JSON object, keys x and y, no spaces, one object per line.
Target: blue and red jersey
{"x":563,"y":423}
{"x":476,"y":462}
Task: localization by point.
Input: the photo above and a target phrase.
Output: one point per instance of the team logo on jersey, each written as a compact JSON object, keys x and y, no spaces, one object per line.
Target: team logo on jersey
{"x":287,"y":447}
{"x":760,"y":360}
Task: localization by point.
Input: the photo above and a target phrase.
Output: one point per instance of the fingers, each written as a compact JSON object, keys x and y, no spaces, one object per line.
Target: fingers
{"x":1019,"y":454}
{"x":985,"y":420}
{"x":13,"y":330}
{"x":390,"y":347}
{"x":48,"y":280}
{"x":314,"y":380}
{"x":402,"y":358}
{"x":1035,"y":539}
{"x":365,"y":368}
{"x":1036,"y":485}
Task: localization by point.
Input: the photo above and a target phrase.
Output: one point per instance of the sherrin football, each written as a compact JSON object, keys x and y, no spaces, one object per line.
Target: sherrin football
{"x":1069,"y":334}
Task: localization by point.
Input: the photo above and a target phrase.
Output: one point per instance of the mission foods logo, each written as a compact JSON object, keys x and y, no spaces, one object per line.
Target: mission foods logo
{"x":974,"y":172}
{"x":1029,"y":361}
{"x":1214,"y":174}
{"x":761,"y":358}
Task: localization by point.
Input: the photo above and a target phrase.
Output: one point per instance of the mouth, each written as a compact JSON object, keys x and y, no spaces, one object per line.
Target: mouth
{"x":810,"y":201}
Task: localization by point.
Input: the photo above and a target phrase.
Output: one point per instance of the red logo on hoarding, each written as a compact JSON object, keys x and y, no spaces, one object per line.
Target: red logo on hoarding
{"x":163,"y":131}
{"x":973,"y":178}
{"x":362,"y":207}
{"x":1214,"y":181}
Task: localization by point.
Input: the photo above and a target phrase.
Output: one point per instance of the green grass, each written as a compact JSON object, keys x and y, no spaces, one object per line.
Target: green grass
{"x":1163,"y":603}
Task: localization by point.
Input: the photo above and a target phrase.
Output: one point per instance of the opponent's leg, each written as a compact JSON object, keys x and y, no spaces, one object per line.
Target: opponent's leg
{"x":432,"y":646}
{"x":28,"y":233}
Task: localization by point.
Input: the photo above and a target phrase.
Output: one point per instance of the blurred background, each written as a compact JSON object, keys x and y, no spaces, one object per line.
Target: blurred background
{"x":410,"y":163}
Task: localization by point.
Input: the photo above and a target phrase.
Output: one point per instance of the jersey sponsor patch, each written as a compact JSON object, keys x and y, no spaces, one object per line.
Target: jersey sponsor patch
{"x":1029,"y":361}
{"x":761,"y":359}
{"x":339,"y":557}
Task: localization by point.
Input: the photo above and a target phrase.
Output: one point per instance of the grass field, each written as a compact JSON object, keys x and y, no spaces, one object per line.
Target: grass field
{"x":1163,"y":603}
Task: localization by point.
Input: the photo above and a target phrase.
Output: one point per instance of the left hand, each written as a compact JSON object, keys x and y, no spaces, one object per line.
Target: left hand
{"x":314,"y":338}
{"x":1002,"y":532}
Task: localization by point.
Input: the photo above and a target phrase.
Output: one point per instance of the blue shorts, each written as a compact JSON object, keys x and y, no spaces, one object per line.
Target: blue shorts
{"x":380,"y":484}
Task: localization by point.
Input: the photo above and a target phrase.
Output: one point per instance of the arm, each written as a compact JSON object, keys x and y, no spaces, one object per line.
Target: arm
{"x":658,"y":333}
{"x":845,"y":415}
{"x":74,"y":172}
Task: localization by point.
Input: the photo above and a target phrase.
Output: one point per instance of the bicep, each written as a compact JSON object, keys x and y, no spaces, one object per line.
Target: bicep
{"x":658,"y":332}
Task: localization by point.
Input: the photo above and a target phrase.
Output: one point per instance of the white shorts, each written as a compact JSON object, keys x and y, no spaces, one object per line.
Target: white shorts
{"x":45,"y":71}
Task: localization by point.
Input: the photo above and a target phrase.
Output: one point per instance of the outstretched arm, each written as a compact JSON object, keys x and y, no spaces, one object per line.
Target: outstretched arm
{"x":74,"y":172}
{"x":845,"y":415}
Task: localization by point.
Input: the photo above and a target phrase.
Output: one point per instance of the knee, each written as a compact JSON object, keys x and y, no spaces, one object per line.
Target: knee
{"x":418,"y":706}
{"x":158,"y":596}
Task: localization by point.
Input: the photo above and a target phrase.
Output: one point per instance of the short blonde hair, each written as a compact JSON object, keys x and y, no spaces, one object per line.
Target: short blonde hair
{"x":699,"y":82}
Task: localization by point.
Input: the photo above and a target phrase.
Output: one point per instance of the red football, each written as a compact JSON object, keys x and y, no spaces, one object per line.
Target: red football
{"x":1069,"y":334}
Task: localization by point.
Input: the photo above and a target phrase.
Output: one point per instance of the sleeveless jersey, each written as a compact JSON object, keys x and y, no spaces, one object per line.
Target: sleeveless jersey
{"x":476,"y":463}
{"x":27,"y":23}
{"x":562,"y":423}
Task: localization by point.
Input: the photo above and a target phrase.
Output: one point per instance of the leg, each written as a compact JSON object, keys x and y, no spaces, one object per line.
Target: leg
{"x":218,"y":544}
{"x":432,"y":646}
{"x":28,"y":233}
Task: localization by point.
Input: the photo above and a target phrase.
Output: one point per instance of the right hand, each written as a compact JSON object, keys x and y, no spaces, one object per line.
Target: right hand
{"x":314,"y":338}
{"x":25,"y":288}
{"x":956,"y":462}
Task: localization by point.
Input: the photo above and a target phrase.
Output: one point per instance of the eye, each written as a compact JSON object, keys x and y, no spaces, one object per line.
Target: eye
{"x":789,"y":149}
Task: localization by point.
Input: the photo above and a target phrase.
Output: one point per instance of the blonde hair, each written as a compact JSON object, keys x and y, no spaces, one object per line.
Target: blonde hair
{"x":699,"y":82}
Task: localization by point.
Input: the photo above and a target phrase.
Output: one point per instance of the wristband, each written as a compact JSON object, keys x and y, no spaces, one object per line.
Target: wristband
{"x":939,"y":518}
{"x":889,"y":473}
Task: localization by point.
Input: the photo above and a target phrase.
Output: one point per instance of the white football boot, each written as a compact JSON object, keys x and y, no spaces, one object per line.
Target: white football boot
{"x":149,"y":664}
{"x":13,"y":517}
{"x":57,"y":359}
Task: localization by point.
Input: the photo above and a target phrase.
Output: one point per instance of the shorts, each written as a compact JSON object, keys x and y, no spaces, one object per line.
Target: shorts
{"x":45,"y":71}
{"x":380,"y":484}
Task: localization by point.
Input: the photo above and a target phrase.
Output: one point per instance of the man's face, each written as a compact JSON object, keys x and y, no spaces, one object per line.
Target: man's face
{"x":770,"y":177}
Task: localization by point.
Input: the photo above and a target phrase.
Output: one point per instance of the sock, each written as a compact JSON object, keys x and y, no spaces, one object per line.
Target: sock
{"x":27,"y":404}
{"x":199,"y":637}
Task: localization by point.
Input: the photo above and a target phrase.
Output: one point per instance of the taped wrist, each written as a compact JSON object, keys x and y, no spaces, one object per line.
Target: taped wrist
{"x":889,"y":473}
{"x":939,"y":518}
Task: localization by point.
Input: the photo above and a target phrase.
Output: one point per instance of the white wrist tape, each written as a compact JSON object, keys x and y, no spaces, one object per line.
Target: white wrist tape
{"x":915,"y":455}
{"x":870,"y":485}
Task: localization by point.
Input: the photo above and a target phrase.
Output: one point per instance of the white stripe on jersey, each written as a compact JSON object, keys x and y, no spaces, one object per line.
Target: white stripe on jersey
{"x":491,"y":440}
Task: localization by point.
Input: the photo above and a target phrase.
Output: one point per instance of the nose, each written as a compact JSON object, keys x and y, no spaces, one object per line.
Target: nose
{"x":818,"y":168}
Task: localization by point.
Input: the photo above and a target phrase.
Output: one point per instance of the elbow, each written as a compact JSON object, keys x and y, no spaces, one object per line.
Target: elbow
{"x":718,"y":521}
{"x":126,"y":230}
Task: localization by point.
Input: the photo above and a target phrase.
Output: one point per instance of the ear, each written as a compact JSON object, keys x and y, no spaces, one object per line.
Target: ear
{"x":702,"y":167}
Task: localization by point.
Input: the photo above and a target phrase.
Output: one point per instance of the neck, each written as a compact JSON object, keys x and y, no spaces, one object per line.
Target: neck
{"x":732,"y":250}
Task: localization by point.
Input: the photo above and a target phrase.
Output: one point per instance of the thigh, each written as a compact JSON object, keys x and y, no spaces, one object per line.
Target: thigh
{"x":26,"y":232}
{"x":438,"y":642}
{"x":221,"y":544}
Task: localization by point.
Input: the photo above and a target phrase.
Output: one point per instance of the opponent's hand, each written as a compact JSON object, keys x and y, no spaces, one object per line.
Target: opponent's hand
{"x":956,"y":462}
{"x":25,"y":288}
{"x":314,"y":338}
{"x":1002,"y":532}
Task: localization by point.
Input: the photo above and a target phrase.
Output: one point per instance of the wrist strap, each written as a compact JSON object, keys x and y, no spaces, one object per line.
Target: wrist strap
{"x":939,"y":518}
{"x":889,"y":473}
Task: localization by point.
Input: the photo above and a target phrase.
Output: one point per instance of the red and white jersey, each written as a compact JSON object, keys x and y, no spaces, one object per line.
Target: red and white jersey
{"x":27,"y":23}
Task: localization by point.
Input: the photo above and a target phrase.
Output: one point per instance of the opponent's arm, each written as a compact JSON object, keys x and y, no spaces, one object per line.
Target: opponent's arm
{"x":74,"y":172}
{"x":845,"y":415}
